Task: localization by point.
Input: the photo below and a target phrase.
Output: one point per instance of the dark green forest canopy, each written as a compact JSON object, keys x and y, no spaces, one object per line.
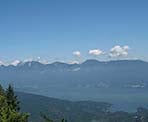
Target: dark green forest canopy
{"x":83,"y":111}
{"x":9,"y":107}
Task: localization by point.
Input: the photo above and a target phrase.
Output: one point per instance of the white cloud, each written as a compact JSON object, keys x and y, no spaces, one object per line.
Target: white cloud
{"x":77,"y":53}
{"x":119,"y":51}
{"x":15,"y":63}
{"x":96,"y":52}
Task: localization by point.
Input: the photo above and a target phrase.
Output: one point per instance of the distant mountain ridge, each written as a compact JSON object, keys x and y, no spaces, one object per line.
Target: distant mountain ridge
{"x":121,"y":80}
{"x":89,"y":61}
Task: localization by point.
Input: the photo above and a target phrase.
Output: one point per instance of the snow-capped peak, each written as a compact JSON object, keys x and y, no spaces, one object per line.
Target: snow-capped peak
{"x":15,"y":63}
{"x":74,"y":62}
{"x":1,"y":63}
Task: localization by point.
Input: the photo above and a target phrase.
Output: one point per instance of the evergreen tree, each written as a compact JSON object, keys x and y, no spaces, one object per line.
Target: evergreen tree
{"x":2,"y":91}
{"x":9,"y":113}
{"x":12,"y":101}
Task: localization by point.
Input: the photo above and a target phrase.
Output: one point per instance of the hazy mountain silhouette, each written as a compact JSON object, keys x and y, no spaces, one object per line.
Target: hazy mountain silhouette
{"x":115,"y":81}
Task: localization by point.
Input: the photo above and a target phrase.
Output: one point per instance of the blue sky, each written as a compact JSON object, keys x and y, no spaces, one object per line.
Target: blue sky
{"x":54,"y":29}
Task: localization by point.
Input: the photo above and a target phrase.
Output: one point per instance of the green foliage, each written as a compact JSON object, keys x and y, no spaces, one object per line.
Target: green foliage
{"x":7,"y":115}
{"x":12,"y":101}
{"x":2,"y":91}
{"x":9,"y":107}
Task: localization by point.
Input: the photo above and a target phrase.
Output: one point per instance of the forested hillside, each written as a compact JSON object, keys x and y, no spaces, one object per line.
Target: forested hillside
{"x":44,"y":109}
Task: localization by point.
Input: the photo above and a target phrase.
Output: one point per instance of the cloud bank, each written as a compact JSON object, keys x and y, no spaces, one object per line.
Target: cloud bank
{"x":119,"y":51}
{"x":96,"y":52}
{"x":77,"y":53}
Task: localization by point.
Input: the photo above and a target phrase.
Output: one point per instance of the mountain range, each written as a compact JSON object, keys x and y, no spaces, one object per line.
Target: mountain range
{"x":120,"y":82}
